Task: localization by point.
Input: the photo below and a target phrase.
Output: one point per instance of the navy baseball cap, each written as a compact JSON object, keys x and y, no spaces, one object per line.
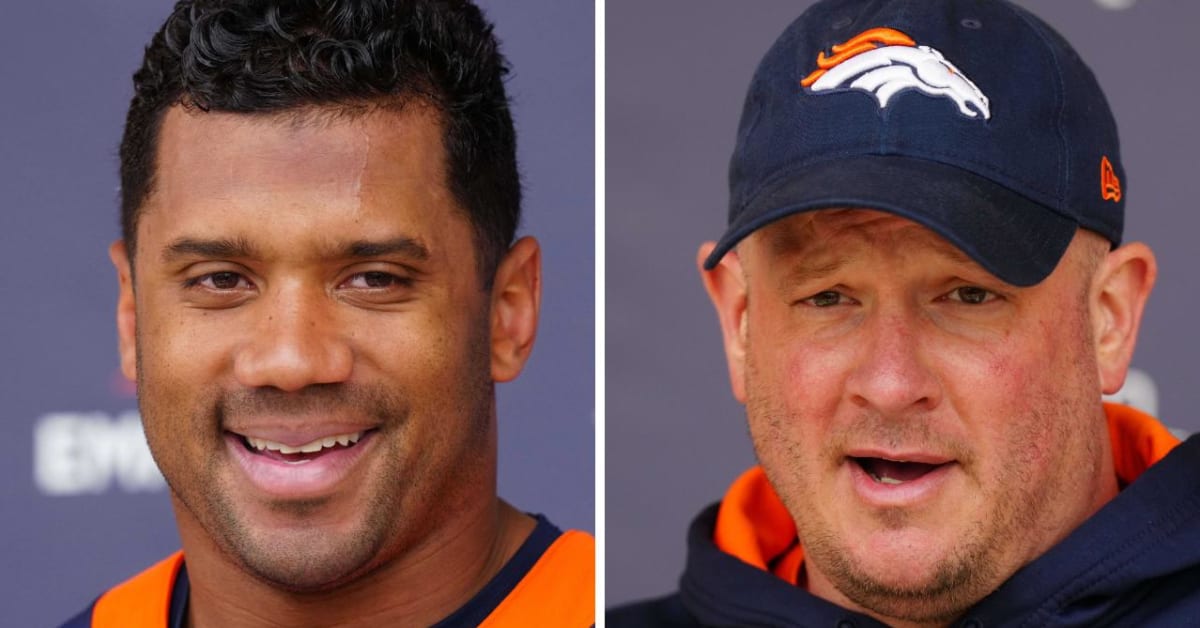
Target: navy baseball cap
{"x":971,"y":117}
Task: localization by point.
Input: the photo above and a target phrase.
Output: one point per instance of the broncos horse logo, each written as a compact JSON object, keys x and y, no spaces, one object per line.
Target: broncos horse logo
{"x":885,"y":62}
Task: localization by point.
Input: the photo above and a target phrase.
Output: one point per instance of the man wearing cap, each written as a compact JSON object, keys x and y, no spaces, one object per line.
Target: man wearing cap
{"x":923,"y":295}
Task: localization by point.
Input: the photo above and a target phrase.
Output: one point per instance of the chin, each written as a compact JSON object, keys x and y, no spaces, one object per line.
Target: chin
{"x":312,"y":570}
{"x":911,"y":574}
{"x":909,"y":554}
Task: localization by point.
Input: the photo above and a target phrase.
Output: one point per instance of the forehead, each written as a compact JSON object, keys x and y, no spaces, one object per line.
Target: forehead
{"x":815,"y":234}
{"x":284,"y":177}
{"x":313,"y":147}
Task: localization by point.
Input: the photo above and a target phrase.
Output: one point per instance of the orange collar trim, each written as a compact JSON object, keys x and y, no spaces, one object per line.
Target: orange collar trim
{"x":754,"y":526}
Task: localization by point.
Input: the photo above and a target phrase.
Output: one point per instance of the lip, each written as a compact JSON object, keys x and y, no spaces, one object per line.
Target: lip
{"x":904,"y":495}
{"x":316,"y":477}
{"x":900,"y":456}
{"x":297,"y":435}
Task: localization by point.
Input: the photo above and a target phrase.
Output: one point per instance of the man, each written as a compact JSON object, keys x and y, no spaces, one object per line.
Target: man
{"x":319,"y":286}
{"x":923,"y":294}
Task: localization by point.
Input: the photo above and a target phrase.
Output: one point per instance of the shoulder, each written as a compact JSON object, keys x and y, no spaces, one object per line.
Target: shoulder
{"x":558,"y":589}
{"x":550,"y":581}
{"x":566,"y":568}
{"x":573,"y":551}
{"x":143,"y":600}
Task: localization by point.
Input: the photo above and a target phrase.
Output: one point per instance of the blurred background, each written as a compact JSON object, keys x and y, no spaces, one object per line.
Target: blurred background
{"x":83,"y":506}
{"x":676,"y":76}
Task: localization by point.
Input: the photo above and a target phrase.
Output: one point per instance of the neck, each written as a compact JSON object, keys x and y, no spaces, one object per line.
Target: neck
{"x":422,"y":584}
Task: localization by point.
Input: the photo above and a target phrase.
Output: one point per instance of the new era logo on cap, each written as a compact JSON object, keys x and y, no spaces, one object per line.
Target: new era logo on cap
{"x":884,"y":62}
{"x":1110,"y":185}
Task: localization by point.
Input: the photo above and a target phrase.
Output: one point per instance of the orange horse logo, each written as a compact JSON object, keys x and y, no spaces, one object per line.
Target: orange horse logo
{"x":884,"y":62}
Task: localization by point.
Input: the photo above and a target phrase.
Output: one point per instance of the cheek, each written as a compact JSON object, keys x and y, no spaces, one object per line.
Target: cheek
{"x":1009,"y":406}
{"x":180,"y":340}
{"x":794,"y":388}
{"x":177,"y":377}
{"x":995,"y":374}
{"x":796,"y":376}
{"x":813,"y":376}
{"x":433,"y":356}
{"x":781,"y":370}
{"x":178,"y":357}
{"x":1031,"y":401}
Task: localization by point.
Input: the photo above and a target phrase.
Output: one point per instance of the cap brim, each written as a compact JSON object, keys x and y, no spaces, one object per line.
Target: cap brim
{"x":1016,"y":239}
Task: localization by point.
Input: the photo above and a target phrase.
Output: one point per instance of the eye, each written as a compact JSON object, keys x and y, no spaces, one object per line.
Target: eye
{"x":377,"y":280}
{"x":220,"y":281}
{"x":971,"y":295}
{"x":826,"y":298}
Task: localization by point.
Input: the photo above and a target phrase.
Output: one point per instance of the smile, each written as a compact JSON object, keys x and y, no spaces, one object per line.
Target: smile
{"x":293,"y":466}
{"x":328,"y":442}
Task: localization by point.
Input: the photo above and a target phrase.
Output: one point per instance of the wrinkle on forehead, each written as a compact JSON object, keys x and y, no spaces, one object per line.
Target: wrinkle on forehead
{"x":828,"y":239}
{"x":813,"y":229}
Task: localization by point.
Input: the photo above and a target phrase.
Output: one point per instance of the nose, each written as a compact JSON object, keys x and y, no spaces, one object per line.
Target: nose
{"x":892,"y":374}
{"x":297,"y":342}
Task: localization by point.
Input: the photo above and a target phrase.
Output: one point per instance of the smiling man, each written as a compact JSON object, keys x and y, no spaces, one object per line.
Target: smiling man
{"x":923,"y":295}
{"x":319,"y":286}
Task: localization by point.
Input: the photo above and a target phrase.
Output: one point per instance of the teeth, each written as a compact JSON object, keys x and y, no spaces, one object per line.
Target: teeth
{"x":885,"y":479}
{"x":262,"y":444}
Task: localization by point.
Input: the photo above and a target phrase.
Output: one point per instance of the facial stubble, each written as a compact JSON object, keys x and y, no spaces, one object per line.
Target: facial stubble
{"x":411,"y":493}
{"x":976,"y":564}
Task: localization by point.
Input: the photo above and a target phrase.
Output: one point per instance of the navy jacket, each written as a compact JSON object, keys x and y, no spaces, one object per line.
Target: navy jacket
{"x":1136,"y":562}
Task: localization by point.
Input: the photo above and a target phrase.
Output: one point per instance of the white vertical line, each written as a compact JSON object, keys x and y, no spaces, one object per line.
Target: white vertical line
{"x":599,"y":301}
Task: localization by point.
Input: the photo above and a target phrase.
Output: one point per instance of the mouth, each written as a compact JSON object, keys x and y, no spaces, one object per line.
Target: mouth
{"x":895,"y":472}
{"x":303,"y":453}
{"x":304,"y":465}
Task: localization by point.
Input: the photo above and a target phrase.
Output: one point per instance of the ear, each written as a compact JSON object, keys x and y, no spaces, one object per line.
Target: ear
{"x":126,"y":310}
{"x":726,"y":286}
{"x":516,"y":300}
{"x":1119,"y":292}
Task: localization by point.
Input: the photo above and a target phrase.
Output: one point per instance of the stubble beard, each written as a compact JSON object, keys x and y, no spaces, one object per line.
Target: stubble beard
{"x":312,"y":559}
{"x":410,"y":496}
{"x":953,"y":581}
{"x":982,"y":555}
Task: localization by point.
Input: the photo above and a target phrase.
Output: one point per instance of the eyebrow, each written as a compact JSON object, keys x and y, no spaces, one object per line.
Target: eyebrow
{"x":226,"y":248}
{"x":804,"y":273}
{"x":218,"y":248}
{"x":403,"y":245}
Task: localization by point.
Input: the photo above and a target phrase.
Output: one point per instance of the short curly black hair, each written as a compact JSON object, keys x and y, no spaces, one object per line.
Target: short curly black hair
{"x":267,"y":56}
